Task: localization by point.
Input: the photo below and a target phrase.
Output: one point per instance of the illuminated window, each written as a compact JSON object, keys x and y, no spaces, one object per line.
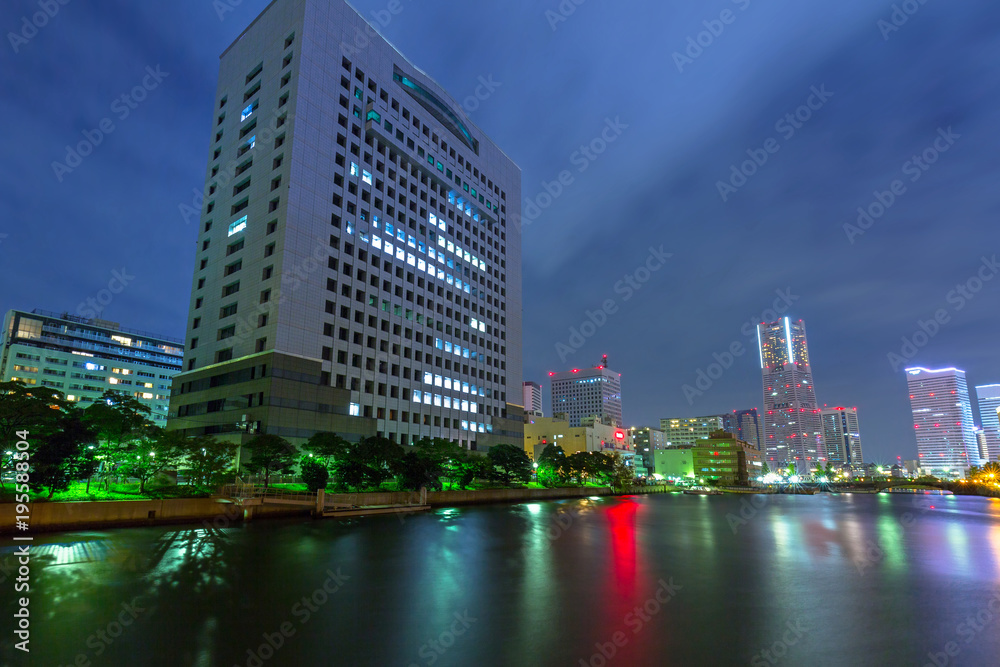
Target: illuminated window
{"x":249,"y":110}
{"x":366,"y":176}
{"x":238,"y":226}
{"x":355,"y":410}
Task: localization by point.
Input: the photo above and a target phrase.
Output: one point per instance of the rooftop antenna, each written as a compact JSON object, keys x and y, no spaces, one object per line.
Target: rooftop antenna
{"x":604,"y":362}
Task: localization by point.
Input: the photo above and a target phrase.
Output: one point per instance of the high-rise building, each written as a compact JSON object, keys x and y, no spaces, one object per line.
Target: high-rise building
{"x":842,"y":437}
{"x":989,"y":417}
{"x":358,"y":263}
{"x":83,"y":358}
{"x":533,"y":399}
{"x":792,"y":429}
{"x":647,"y":440}
{"x":748,"y":427}
{"x":587,"y":392}
{"x":942,"y":420}
{"x":680,"y":431}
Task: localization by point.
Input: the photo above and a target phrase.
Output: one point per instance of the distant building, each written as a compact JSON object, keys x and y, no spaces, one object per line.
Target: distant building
{"x":587,"y":392}
{"x":647,"y":441}
{"x":841,"y":437}
{"x":539,"y":432}
{"x":681,"y":431}
{"x":792,"y":428}
{"x":989,"y":407}
{"x":942,"y":420}
{"x":727,"y":460}
{"x":533,"y":399}
{"x":984,"y":451}
{"x":748,"y":427}
{"x":83,"y":358}
{"x":674,"y":464}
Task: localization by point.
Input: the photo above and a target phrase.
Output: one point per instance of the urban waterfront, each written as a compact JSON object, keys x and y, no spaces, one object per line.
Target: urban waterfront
{"x":850,"y":579}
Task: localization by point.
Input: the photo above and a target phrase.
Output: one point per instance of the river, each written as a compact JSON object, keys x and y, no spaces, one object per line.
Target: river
{"x":637,"y":580}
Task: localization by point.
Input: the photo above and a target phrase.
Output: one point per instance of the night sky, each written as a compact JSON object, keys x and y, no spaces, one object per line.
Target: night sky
{"x":678,"y":124}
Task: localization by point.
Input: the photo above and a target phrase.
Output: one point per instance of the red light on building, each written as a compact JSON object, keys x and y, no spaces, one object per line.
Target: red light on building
{"x":576,"y":370}
{"x":551,"y":374}
{"x":619,"y":435}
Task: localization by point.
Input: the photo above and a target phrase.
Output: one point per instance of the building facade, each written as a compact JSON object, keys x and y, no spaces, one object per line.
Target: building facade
{"x":533,"y":399}
{"x":842,"y":437}
{"x":647,"y":441}
{"x":680,"y":431}
{"x":792,"y":426}
{"x":358,"y":263}
{"x":988,"y":396}
{"x":675,"y":464}
{"x":587,"y":392}
{"x":539,"y":432}
{"x":748,"y":427}
{"x":942,"y":420}
{"x":727,"y":460}
{"x":83,"y":358}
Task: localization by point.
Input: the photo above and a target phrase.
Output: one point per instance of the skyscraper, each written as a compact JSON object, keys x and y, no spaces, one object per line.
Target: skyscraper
{"x":841,"y":437}
{"x":358,"y":265}
{"x":792,"y":429}
{"x":942,"y":420}
{"x":533,"y":399}
{"x":748,"y":427}
{"x":989,"y":405}
{"x":587,"y":392}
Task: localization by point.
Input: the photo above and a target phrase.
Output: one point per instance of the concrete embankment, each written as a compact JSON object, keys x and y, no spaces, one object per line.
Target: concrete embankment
{"x":44,"y":517}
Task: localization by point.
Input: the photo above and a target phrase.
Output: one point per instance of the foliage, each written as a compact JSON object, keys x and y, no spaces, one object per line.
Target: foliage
{"x":473,"y":467}
{"x":621,"y":475}
{"x":417,"y":471}
{"x":59,"y":457}
{"x":148,"y":456}
{"x":314,"y":474}
{"x":553,"y":467}
{"x":328,"y":447}
{"x":509,"y":464}
{"x":450,"y":457}
{"x":207,"y":461}
{"x":269,"y":454}
{"x":368,"y":463}
{"x":590,"y":465}
{"x":118,"y":418}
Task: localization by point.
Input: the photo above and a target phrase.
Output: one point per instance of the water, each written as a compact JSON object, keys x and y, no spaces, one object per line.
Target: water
{"x":654,"y":580}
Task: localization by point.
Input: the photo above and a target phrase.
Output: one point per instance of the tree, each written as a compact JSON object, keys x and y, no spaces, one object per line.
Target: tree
{"x":35,"y":409}
{"x":621,"y":475}
{"x":553,"y":468}
{"x":475,"y":465}
{"x":146,"y":457}
{"x":59,"y":457}
{"x":118,"y":418}
{"x":269,"y":454}
{"x":314,"y":474}
{"x":209,"y":462}
{"x":448,"y":456}
{"x":417,"y":471}
{"x":326,"y":446}
{"x":369,"y":463}
{"x":509,"y":463}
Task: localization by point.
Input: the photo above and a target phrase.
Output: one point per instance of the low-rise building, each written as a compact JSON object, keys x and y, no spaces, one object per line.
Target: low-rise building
{"x":674,"y":464}
{"x":724,"y":459}
{"x":688,"y":431}
{"x":539,"y":432}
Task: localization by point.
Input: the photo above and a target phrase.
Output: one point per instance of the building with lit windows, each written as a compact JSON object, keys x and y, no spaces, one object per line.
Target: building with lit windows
{"x":942,"y":420}
{"x":680,"y":431}
{"x":533,"y":399}
{"x":587,"y":392}
{"x":647,"y":441}
{"x":988,"y":396}
{"x":792,"y":426}
{"x":83,"y":358}
{"x":540,"y":432}
{"x":842,"y":437}
{"x":748,"y":427}
{"x":724,"y":459}
{"x":357,"y":262}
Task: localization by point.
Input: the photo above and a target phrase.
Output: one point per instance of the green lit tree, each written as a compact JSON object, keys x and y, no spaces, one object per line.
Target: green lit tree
{"x":269,"y":454}
{"x":509,"y":464}
{"x":314,"y":474}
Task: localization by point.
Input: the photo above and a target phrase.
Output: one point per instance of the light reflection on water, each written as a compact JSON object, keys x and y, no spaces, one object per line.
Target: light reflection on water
{"x":877,"y":579}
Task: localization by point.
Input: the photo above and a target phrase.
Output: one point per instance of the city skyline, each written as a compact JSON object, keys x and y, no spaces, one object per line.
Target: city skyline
{"x":903,"y":268}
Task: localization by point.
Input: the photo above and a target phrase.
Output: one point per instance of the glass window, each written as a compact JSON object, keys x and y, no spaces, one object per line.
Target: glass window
{"x":238,"y":226}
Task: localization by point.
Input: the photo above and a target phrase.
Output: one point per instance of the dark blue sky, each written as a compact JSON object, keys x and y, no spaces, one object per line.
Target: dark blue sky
{"x":655,"y":184}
